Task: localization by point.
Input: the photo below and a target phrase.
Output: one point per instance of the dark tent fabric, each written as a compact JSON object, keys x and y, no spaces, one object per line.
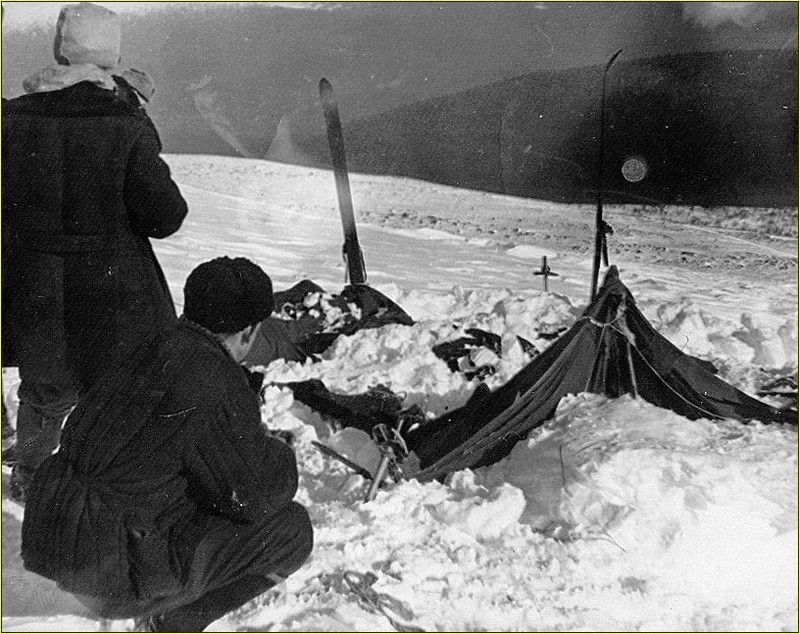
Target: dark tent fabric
{"x":300,"y":331}
{"x":612,"y":350}
{"x":377,"y":406}
{"x":376,"y":309}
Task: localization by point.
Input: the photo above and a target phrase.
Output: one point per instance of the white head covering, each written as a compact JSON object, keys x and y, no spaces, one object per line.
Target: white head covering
{"x":87,"y":33}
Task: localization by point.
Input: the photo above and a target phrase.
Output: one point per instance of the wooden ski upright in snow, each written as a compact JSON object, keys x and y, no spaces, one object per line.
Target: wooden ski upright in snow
{"x":601,"y":227}
{"x":354,"y":258}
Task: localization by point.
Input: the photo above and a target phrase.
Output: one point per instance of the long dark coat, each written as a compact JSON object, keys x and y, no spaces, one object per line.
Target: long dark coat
{"x":83,"y":189}
{"x":172,"y":439}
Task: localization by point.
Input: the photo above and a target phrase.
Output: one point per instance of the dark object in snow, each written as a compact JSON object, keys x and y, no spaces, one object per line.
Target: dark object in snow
{"x":376,"y":309}
{"x":784,"y":387}
{"x":611,"y":350}
{"x":452,"y":352}
{"x":781,"y":385}
{"x":302,"y":329}
{"x":379,"y":405}
{"x":332,"y":453}
{"x":397,"y":612}
{"x":288,"y":301}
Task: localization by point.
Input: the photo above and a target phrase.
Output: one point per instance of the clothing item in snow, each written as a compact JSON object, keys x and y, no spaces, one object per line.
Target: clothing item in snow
{"x":226,"y":295}
{"x":167,"y":489}
{"x":302,"y":327}
{"x":377,"y":406}
{"x":87,"y":33}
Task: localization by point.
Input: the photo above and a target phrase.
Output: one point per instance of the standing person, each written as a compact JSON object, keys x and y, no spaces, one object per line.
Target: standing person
{"x":84,"y":187}
{"x":169,"y":501}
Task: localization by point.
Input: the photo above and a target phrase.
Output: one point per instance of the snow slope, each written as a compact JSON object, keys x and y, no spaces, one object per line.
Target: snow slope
{"x":615,"y":515}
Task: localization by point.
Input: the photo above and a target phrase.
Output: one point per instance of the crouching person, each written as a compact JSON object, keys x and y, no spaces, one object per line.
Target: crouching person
{"x":168,"y":501}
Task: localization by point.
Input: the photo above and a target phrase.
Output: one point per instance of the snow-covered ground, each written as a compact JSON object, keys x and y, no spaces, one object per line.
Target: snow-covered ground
{"x":614,"y":516}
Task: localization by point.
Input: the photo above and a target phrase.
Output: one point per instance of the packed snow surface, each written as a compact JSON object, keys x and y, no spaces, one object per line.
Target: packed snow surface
{"x":614,"y":516}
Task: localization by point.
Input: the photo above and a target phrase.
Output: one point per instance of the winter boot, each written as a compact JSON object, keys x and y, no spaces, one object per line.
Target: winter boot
{"x":21,"y":480}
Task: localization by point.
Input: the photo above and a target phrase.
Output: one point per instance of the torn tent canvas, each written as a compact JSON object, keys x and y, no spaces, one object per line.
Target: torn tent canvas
{"x":612,"y":350}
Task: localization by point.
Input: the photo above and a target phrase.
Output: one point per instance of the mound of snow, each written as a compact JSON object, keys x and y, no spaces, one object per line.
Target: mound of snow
{"x":530,"y":252}
{"x":752,"y":339}
{"x":691,"y":504}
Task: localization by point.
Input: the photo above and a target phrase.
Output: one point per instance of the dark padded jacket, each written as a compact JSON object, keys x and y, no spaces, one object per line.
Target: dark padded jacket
{"x":83,"y":189}
{"x":172,"y":439}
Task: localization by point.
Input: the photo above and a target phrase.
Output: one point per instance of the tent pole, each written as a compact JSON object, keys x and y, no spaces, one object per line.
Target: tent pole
{"x":600,"y":226}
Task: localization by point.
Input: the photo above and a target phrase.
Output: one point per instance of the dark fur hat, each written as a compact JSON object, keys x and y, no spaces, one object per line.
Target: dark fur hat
{"x":227,"y":295}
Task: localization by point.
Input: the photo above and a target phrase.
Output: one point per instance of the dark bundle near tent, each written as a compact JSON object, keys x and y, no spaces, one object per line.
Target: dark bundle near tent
{"x":379,"y":405}
{"x":301,"y":331}
{"x":612,"y":350}
{"x":452,"y":352}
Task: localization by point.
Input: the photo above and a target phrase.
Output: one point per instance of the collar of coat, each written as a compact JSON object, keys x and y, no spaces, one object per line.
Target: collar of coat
{"x":206,"y":333}
{"x":58,"y":77}
{"x":83,"y":99}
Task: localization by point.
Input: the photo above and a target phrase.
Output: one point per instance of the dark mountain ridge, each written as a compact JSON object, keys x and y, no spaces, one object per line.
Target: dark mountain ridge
{"x":711,"y":128}
{"x":500,"y":97}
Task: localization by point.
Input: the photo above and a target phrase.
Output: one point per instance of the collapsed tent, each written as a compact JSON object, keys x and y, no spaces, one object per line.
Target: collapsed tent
{"x":612,"y":350}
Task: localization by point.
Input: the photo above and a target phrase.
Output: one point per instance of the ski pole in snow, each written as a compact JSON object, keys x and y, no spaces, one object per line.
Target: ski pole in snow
{"x":354,"y":258}
{"x":364,"y":473}
{"x":546,"y":272}
{"x":601,"y":228}
{"x":387,"y":456}
{"x":393,"y":449}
